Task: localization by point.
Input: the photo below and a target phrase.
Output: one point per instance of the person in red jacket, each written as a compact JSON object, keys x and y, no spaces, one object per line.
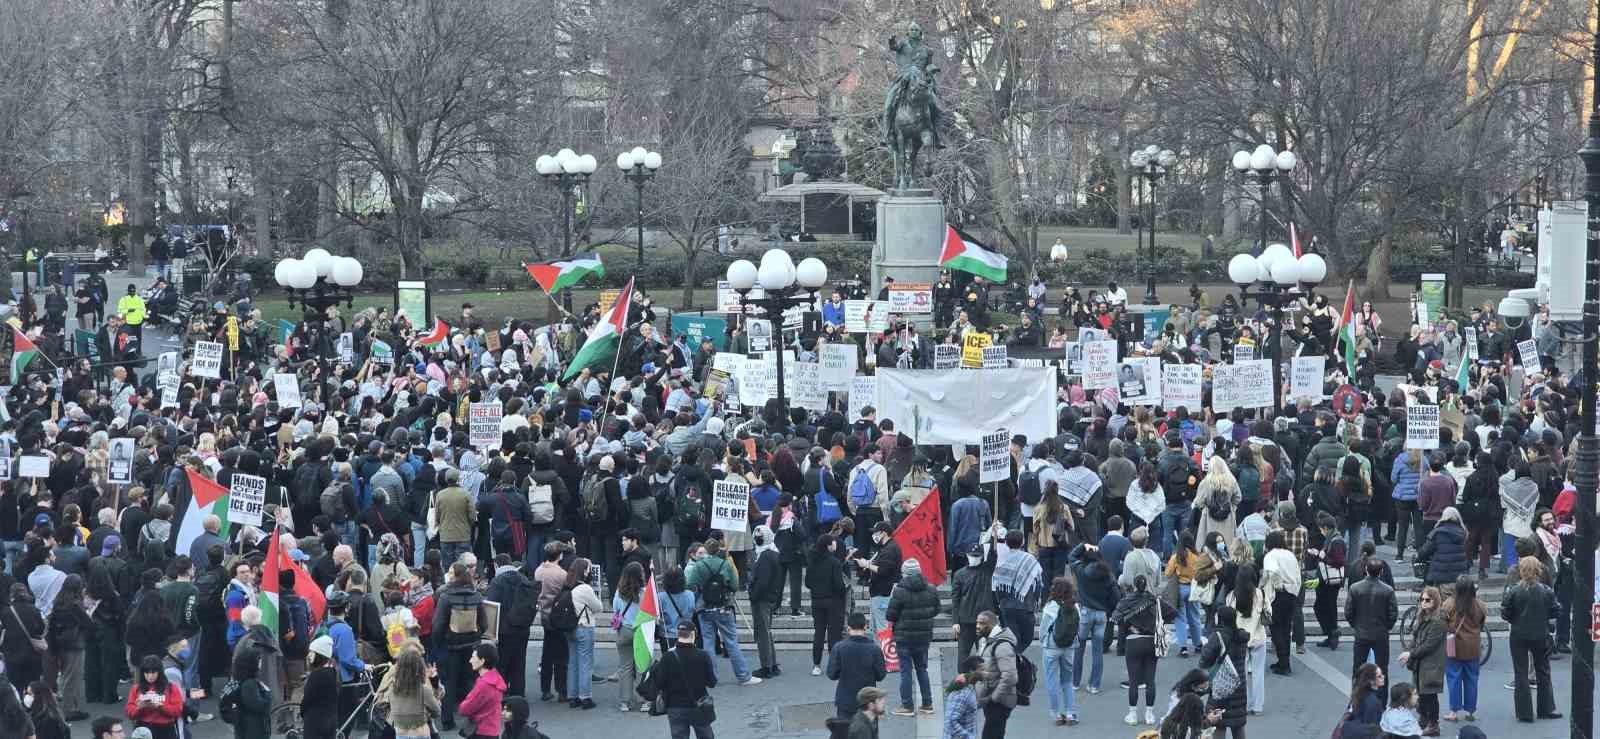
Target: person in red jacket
{"x":154,"y":703}
{"x":482,"y":704}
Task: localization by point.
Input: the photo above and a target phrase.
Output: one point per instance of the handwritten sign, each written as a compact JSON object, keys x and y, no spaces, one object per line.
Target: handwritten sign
{"x":1422,"y":426}
{"x":168,"y":382}
{"x":1242,"y":385}
{"x":484,"y":424}
{"x":995,"y":464}
{"x":33,"y":466}
{"x":809,"y":392}
{"x":288,"y":387}
{"x":1181,"y":386}
{"x":247,"y":497}
{"x":1099,"y":364}
{"x":866,"y":316}
{"x":838,"y":366}
{"x":1530,"y":356}
{"x":1305,"y":378}
{"x":911,"y":297}
{"x":207,"y":360}
{"x":863,"y":392}
{"x":730,"y":505}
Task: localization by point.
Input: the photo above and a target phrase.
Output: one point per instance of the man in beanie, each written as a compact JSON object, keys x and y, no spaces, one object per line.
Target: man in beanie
{"x":912,"y":609}
{"x":766,"y":593}
{"x":686,"y":677}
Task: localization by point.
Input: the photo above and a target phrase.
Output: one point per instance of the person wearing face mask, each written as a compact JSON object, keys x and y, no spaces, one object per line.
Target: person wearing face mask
{"x":883,"y":571}
{"x":970,"y":595}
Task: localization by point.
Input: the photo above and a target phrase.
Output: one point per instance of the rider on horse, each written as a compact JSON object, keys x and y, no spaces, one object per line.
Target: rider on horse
{"x":913,"y":60}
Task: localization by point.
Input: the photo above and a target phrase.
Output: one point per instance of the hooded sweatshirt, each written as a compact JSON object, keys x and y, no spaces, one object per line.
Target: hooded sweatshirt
{"x":482,"y":704}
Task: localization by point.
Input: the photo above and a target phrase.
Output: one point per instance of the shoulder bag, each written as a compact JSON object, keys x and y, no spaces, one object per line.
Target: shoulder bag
{"x":38,"y":642}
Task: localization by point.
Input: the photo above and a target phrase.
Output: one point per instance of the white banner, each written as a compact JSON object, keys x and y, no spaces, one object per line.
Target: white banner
{"x":995,"y":464}
{"x":483,"y":426}
{"x":863,"y":392}
{"x":866,"y":316}
{"x":911,"y":297}
{"x":957,"y":406}
{"x":730,"y":505}
{"x":1181,"y":386}
{"x":946,"y":356}
{"x":838,"y":366}
{"x":287,"y":386}
{"x":1305,"y":378}
{"x":1241,"y":385}
{"x":207,"y":360}
{"x":1099,"y":365}
{"x":1422,"y":426}
{"x":994,"y":356}
{"x":119,"y":467}
{"x":1139,"y":381}
{"x":247,"y":496}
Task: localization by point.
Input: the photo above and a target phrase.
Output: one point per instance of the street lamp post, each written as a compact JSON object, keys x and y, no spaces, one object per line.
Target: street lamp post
{"x":567,"y":170}
{"x":1587,"y":475}
{"x":1277,"y":276}
{"x":639,"y":166}
{"x":1266,"y":166}
{"x":1152,"y":163}
{"x":318,"y":282}
{"x":231,"y":173}
{"x":784,"y":285}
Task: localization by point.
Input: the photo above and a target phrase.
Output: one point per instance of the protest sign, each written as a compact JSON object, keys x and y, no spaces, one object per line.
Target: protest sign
{"x":247,"y":496}
{"x":730,"y":505}
{"x":863,"y":392}
{"x":233,"y":333}
{"x":484,"y":424}
{"x":1181,"y":386}
{"x":995,"y":464}
{"x":911,"y":297}
{"x":994,"y":356}
{"x":866,"y":316}
{"x":167,"y":362}
{"x":1241,"y":385}
{"x":1243,"y":352}
{"x":5,"y":460}
{"x":1530,"y":356}
{"x":1422,"y":426}
{"x":1305,"y":378}
{"x":728,"y":298}
{"x":287,"y":386}
{"x":33,"y":466}
{"x":838,"y":366}
{"x":207,"y":360}
{"x":347,"y":345}
{"x":119,"y":461}
{"x":954,"y":406}
{"x":972,"y":349}
{"x":946,"y":356}
{"x":751,"y":376}
{"x":809,"y":392}
{"x":1072,"y":360}
{"x":382,"y":353}
{"x":1139,"y":381}
{"x":169,"y":389}
{"x":1099,"y":364}
{"x":1472,"y":343}
{"x":759,"y":334}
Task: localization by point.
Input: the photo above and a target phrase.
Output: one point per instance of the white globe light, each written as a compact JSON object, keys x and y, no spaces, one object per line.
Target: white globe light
{"x":625,"y":161}
{"x":811,"y":273}
{"x":320,"y":260}
{"x":587,"y":164}
{"x":280,"y":273}
{"x":566,"y":154}
{"x":1286,"y":161}
{"x":1242,"y":269}
{"x":1285,"y":271}
{"x":1152,"y":150}
{"x":1264,"y":266}
{"x":652,"y":160}
{"x":742,"y":275}
{"x":1277,"y":252}
{"x":546,"y":165}
{"x":1263,"y":157}
{"x":347,"y":272}
{"x":569,"y":161}
{"x":303,"y":276}
{"x":1167,"y":158}
{"x":1313,"y":270}
{"x":774,"y":275}
{"x":638,"y":153}
{"x":1241,"y":160}
{"x":1139,"y":159}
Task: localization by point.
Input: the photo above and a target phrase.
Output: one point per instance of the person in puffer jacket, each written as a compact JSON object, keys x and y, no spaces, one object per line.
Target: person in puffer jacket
{"x":1406,"y":475}
{"x":913,"y":606}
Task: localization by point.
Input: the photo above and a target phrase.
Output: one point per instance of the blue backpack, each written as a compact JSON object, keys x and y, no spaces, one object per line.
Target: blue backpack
{"x":862,"y":491}
{"x":828,"y":508}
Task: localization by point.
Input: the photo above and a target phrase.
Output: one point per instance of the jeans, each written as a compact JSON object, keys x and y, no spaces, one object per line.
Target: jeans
{"x":1188,"y":623}
{"x":580,"y":663}
{"x":722,"y":626}
{"x":1536,"y":652}
{"x":914,"y":658}
{"x":452,"y":551}
{"x":13,"y":549}
{"x":1173,"y":520}
{"x":349,"y":536}
{"x":880,"y":613}
{"x":191,"y":671}
{"x":1352,"y":534}
{"x":761,"y":613}
{"x":1255,"y":666}
{"x":1059,"y":675}
{"x":1091,"y":634}
{"x":1021,"y":622}
{"x":419,"y":544}
{"x":1407,"y":516}
{"x":1461,"y":680}
{"x":1053,"y":560}
{"x":795,"y":571}
{"x":680,"y":720}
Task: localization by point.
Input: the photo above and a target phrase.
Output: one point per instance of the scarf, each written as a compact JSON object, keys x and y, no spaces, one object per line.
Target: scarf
{"x":768,"y":543}
{"x":1018,"y":575}
{"x":1146,"y":505}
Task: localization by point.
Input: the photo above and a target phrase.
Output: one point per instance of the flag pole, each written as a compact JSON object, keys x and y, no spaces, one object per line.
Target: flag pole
{"x":616,"y":359}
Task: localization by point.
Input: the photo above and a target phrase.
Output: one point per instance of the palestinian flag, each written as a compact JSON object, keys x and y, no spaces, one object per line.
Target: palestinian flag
{"x":304,"y":586}
{"x":644,"y":626}
{"x":1347,"y":330}
{"x":441,"y":332}
{"x":206,"y":498}
{"x":605,"y":339}
{"x":23,"y":350}
{"x":567,"y":272}
{"x":1294,"y":240}
{"x":963,"y":253}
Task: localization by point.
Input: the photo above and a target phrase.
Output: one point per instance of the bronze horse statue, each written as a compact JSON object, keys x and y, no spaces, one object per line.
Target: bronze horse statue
{"x":912,"y":130}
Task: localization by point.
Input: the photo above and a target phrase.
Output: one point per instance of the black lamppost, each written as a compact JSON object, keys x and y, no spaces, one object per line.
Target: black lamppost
{"x":567,"y":171}
{"x":784,"y":285}
{"x":1152,"y":163}
{"x":1266,"y":166}
{"x":318,"y":282}
{"x":1587,"y":475}
{"x":231,"y":173}
{"x":1276,"y":275}
{"x":639,"y":166}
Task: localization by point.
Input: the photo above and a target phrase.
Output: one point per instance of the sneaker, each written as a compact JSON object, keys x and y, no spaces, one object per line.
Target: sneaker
{"x":547,"y":696}
{"x":1132,"y":719}
{"x":1183,"y":651}
{"x":904,"y":711}
{"x":816,"y":670}
{"x":1149,"y":717}
{"x":588,"y":704}
{"x":1061,"y":721}
{"x":926,"y":710}
{"x":197,"y":719}
{"x":774,"y":671}
{"x":1470,"y":716}
{"x":762,"y":673}
{"x":1094,"y":690}
{"x":623,"y":707}
{"x":752,"y":681}
{"x":1124,"y":684}
{"x":1072,"y":719}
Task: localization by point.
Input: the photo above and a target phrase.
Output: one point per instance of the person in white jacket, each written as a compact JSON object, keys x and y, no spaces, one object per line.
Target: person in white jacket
{"x":1253,"y":617}
{"x":1281,"y":579}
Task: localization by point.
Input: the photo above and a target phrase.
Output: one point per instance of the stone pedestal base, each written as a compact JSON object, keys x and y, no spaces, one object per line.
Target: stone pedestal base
{"x":910,"y":237}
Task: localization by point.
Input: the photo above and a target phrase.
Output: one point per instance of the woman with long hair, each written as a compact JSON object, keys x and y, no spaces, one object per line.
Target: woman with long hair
{"x":580,"y":643}
{"x":1528,"y":605}
{"x":1408,"y":471}
{"x":825,"y":580}
{"x":1251,"y":613}
{"x":1052,"y":528}
{"x":1217,"y":500}
{"x":1139,"y":614}
{"x":1280,"y":578}
{"x":1225,"y":654}
{"x":788,"y":526}
{"x":1426,"y":657}
{"x":1188,"y":717}
{"x":255,"y":698}
{"x":1058,"y":625}
{"x":1355,"y":493}
{"x":153,"y":702}
{"x":48,"y":721}
{"x":625,"y":603}
{"x":149,"y":625}
{"x":13,"y":714}
{"x":1464,"y":616}
{"x":1185,"y":559}
{"x":411,"y":699}
{"x":68,"y":634}
{"x":1146,"y":501}
{"x":1367,"y":695}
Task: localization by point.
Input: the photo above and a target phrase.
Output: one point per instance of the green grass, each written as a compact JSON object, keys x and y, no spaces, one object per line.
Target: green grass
{"x":1079,"y":240}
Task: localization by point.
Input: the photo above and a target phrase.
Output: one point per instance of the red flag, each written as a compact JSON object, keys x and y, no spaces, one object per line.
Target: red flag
{"x":1294,"y":240}
{"x":921,"y":537}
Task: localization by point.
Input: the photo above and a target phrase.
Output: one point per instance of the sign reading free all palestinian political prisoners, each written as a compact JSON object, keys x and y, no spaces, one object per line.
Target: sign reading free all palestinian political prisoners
{"x":484,"y":424}
{"x":995,"y":464}
{"x":1241,"y":385}
{"x":287,"y":386}
{"x":1422,"y":426}
{"x":730,"y":505}
{"x":207,"y":360}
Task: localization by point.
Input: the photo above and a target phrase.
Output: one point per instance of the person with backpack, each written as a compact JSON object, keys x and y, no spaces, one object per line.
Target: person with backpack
{"x":574,"y":615}
{"x":337,"y":501}
{"x":1217,"y":501}
{"x":601,"y":508}
{"x":1174,"y":469}
{"x":456,"y":517}
{"x":869,"y":492}
{"x":551,"y":579}
{"x":458,"y":623}
{"x":518,"y":597}
{"x":509,"y":516}
{"x":1000,"y":687}
{"x":715,"y":580}
{"x":294,"y":634}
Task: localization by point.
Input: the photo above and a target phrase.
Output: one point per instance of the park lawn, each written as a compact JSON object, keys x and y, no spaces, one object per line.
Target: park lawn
{"x":1084,"y":239}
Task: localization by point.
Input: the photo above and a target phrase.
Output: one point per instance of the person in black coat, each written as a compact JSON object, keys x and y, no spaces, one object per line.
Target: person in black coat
{"x":1445,"y":550}
{"x":766,"y":593}
{"x":825,"y":580}
{"x":686,"y":676}
{"x":19,"y":620}
{"x":856,"y":662}
{"x":1228,"y":642}
{"x":319,"y":707}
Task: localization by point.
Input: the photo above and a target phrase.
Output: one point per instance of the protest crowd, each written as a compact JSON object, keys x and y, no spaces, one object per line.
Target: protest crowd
{"x":383,"y":522}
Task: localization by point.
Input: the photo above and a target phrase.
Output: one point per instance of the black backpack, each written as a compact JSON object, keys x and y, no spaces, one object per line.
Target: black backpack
{"x":715,"y":592}
{"x":564,"y":613}
{"x":1028,"y":489}
{"x":307,"y":493}
{"x":1217,"y":504}
{"x":644,"y":517}
{"x":524,"y":607}
{"x":228,"y":702}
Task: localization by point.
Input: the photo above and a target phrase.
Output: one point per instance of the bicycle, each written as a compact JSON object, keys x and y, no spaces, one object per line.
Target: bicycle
{"x":1408,"y":618}
{"x":286,"y":718}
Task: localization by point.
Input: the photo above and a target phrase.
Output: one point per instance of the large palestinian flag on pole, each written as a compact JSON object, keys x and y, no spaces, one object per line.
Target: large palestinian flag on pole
{"x":1347,"y":331}
{"x":23,"y":350}
{"x":644,"y":626}
{"x":206,"y":497}
{"x":605,"y":339}
{"x":565,"y":273}
{"x":441,"y":332}
{"x":278,"y":561}
{"x":966,"y":255}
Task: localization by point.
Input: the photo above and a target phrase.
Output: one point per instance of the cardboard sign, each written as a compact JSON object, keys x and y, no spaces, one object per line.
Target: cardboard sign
{"x":863,"y":392}
{"x":1422,"y":426}
{"x":167,"y":362}
{"x":119,"y":461}
{"x":169,"y":389}
{"x":838,"y":366}
{"x":911,"y":297}
{"x":809,"y":392}
{"x":247,"y":497}
{"x":1305,"y":378}
{"x":1099,"y":364}
{"x":484,"y":424}
{"x":207,"y":360}
{"x":1530,"y":356}
{"x":972,"y":349}
{"x":730,"y":505}
{"x":1181,"y":386}
{"x":382,"y":353}
{"x":866,"y":316}
{"x":1241,"y":385}
{"x":288,"y":387}
{"x":994,"y":357}
{"x":946,"y":356}
{"x":33,"y":466}
{"x":995,"y":463}
{"x":233,"y":333}
{"x":1139,"y":381}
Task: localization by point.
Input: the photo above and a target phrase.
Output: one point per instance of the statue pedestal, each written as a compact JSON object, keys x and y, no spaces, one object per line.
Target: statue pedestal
{"x":910,"y":237}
